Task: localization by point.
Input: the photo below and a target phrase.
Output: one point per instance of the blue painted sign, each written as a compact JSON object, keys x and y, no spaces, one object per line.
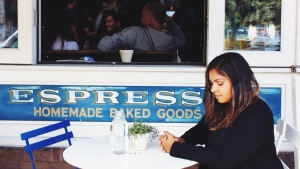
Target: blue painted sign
{"x":99,"y":103}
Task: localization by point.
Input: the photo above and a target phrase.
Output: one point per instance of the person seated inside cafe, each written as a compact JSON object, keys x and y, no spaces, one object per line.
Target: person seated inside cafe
{"x":113,"y":23}
{"x":63,"y":33}
{"x":148,"y":37}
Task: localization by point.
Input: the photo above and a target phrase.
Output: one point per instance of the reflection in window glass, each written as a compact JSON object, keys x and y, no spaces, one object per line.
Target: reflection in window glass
{"x":253,"y":25}
{"x":90,"y":27}
{"x":8,"y":24}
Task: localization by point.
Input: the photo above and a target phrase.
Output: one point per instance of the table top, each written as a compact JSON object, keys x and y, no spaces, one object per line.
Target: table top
{"x":95,"y":153}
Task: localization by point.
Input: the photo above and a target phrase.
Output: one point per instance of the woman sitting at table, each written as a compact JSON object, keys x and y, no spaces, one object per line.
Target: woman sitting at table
{"x":63,"y":33}
{"x":238,"y":126}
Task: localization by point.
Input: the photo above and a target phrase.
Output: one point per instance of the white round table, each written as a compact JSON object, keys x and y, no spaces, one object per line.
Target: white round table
{"x":95,"y":153}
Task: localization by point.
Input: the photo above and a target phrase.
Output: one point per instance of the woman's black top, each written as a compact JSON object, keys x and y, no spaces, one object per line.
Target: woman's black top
{"x":247,"y":144}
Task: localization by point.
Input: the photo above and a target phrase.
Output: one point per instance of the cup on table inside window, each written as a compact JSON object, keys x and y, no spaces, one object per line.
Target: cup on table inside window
{"x":126,"y":55}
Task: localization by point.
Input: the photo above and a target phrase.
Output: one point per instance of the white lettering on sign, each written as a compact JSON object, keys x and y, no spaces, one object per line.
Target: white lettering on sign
{"x":77,"y":95}
{"x":107,"y":95}
{"x":179,"y":113}
{"x":131,"y":112}
{"x":67,"y":112}
{"x":135,"y":96}
{"x":191,"y":98}
{"x":21,"y":96}
{"x":161,"y":98}
{"x":49,"y":96}
{"x":165,"y":98}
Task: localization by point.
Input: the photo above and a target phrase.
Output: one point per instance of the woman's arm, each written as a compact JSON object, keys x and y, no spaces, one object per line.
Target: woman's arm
{"x":197,"y":134}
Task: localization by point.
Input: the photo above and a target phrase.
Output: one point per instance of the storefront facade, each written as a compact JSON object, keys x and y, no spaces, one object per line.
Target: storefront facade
{"x":35,"y":94}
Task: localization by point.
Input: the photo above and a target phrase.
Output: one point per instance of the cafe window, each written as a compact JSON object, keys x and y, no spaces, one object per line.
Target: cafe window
{"x":18,"y":25}
{"x":262,"y":31}
{"x":188,"y":14}
{"x":8,"y":24}
{"x":252,"y":25}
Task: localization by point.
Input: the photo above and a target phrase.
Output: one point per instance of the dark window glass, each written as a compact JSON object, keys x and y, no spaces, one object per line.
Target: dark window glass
{"x":188,"y":14}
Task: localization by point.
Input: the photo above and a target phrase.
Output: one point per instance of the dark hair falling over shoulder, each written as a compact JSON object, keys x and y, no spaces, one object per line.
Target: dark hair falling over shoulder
{"x":245,"y":90}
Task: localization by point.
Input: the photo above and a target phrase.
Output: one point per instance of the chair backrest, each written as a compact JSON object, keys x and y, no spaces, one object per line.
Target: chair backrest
{"x":280,"y":128}
{"x":289,"y":133}
{"x":30,"y":147}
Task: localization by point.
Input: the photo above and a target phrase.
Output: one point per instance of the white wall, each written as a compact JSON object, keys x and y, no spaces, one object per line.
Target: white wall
{"x":120,"y":76}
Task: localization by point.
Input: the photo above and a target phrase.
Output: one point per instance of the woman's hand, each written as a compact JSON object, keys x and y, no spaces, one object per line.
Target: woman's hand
{"x":161,"y":138}
{"x":166,"y":141}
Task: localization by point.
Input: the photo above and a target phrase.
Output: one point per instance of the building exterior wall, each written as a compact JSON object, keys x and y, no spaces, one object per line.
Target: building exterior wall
{"x":13,"y":73}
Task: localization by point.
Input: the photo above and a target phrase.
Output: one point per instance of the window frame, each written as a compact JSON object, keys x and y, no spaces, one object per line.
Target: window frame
{"x":298,"y":37}
{"x":27,"y":35}
{"x":284,"y":58}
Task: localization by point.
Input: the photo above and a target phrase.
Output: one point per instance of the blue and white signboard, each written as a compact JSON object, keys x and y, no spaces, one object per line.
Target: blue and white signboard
{"x":99,"y":103}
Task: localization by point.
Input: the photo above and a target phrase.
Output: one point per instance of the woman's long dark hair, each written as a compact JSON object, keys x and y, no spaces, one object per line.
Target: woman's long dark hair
{"x":245,"y":90}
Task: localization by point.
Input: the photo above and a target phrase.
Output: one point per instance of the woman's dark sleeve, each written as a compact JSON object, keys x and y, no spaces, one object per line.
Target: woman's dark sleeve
{"x":197,"y":134}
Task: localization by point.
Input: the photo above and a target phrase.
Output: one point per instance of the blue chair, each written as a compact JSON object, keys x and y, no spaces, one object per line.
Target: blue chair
{"x":29,"y":148}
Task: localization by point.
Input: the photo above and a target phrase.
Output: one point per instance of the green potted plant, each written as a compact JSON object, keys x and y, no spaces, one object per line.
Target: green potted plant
{"x":139,"y":133}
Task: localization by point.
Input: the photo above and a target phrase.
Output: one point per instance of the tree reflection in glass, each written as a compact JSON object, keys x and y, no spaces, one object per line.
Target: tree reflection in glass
{"x":252,"y":25}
